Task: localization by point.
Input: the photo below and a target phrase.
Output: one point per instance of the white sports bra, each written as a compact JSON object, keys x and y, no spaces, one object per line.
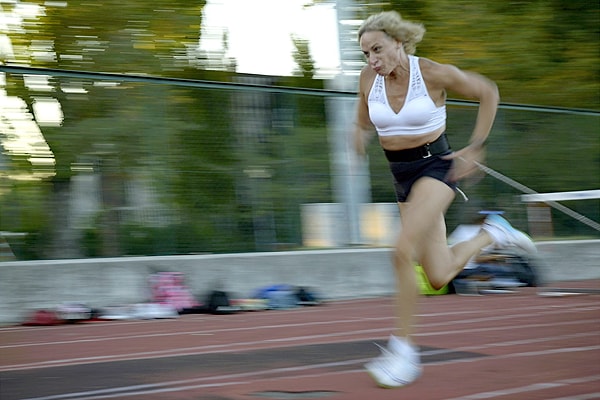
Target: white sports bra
{"x":418,"y":115}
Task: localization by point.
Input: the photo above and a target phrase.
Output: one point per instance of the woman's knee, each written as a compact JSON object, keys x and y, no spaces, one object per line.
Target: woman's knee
{"x":436,"y":280}
{"x":437,"y":284}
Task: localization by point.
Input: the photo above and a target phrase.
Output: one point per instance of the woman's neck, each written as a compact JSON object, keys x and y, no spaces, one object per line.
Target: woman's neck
{"x":402,"y":69}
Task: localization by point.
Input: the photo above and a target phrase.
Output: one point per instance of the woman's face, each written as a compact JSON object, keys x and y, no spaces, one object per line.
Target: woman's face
{"x":381,"y":51}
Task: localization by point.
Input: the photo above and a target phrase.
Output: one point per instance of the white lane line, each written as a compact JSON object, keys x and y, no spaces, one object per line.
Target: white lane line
{"x":187,"y":351}
{"x":587,"y":396}
{"x":528,"y":388}
{"x":137,"y":392}
{"x":511,"y":309}
{"x":196,"y":382}
{"x":251,"y":345}
{"x":519,"y":342}
{"x":510,"y":327}
{"x":194,"y":332}
{"x":260,"y":344}
{"x":553,"y":311}
{"x":546,"y":352}
{"x":522,"y":313}
{"x":193,"y":384}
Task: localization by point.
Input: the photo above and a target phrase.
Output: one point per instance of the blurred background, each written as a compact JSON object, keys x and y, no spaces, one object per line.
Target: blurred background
{"x":190,"y":127}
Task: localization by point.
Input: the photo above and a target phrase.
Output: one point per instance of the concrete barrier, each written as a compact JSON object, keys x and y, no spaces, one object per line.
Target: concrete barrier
{"x":334,"y":274}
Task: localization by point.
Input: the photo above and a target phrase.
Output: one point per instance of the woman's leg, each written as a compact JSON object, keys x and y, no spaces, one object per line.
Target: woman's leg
{"x":423,"y":239}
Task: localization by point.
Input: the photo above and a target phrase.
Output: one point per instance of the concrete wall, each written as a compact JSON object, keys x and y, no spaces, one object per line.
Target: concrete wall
{"x":334,"y":274}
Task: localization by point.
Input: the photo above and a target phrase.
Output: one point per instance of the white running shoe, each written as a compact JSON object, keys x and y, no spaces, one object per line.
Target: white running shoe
{"x":505,"y":235}
{"x":395,"y":367}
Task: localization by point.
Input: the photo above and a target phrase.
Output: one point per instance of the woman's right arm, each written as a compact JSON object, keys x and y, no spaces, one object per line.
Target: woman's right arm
{"x":363,"y":128}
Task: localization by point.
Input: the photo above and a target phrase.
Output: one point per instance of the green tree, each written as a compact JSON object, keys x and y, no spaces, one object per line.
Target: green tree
{"x":538,"y":51}
{"x":109,"y":36}
{"x":303,"y":57}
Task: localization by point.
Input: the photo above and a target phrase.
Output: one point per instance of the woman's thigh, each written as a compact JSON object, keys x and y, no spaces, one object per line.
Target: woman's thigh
{"x":422,"y":216}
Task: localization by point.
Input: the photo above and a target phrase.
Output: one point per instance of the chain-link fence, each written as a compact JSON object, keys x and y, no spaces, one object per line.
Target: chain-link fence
{"x":118,"y":165}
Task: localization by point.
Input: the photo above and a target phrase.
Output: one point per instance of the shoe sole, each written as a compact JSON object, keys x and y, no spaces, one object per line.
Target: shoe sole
{"x":384,"y":386}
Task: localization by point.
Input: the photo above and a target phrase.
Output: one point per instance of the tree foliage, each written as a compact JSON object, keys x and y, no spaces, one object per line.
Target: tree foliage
{"x":231,"y":168}
{"x":538,"y":51}
{"x":303,"y":57}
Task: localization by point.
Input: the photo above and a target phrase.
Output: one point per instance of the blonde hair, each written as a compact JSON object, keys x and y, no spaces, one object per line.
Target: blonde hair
{"x":392,"y":24}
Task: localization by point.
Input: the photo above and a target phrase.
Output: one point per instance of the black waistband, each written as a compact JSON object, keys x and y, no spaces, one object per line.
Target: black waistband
{"x":438,"y":146}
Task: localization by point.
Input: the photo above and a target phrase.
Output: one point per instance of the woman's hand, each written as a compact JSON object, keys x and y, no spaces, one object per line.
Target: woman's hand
{"x":359,"y":139}
{"x":465,"y":162}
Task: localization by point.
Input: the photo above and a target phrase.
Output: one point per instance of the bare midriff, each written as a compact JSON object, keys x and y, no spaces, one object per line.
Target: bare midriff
{"x":401,"y":142}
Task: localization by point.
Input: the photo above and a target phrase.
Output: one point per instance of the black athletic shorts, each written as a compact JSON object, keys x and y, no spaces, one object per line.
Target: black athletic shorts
{"x":407,"y":173}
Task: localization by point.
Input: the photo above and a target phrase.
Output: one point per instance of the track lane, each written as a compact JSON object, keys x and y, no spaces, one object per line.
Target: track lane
{"x":513,"y":346}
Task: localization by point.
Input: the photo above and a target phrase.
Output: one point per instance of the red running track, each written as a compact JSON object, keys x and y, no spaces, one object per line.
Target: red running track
{"x":523,"y":345}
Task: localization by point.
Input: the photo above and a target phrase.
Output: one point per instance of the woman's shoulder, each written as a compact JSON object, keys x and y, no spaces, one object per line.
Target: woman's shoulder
{"x":432,"y":70}
{"x":427,"y":64}
{"x":366,"y":78}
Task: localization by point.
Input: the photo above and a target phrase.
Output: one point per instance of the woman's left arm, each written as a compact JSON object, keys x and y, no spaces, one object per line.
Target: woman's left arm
{"x":471,"y":86}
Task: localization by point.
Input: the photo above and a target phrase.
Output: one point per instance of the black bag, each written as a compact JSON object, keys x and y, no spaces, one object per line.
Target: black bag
{"x":306,"y":297}
{"x":218,"y":303}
